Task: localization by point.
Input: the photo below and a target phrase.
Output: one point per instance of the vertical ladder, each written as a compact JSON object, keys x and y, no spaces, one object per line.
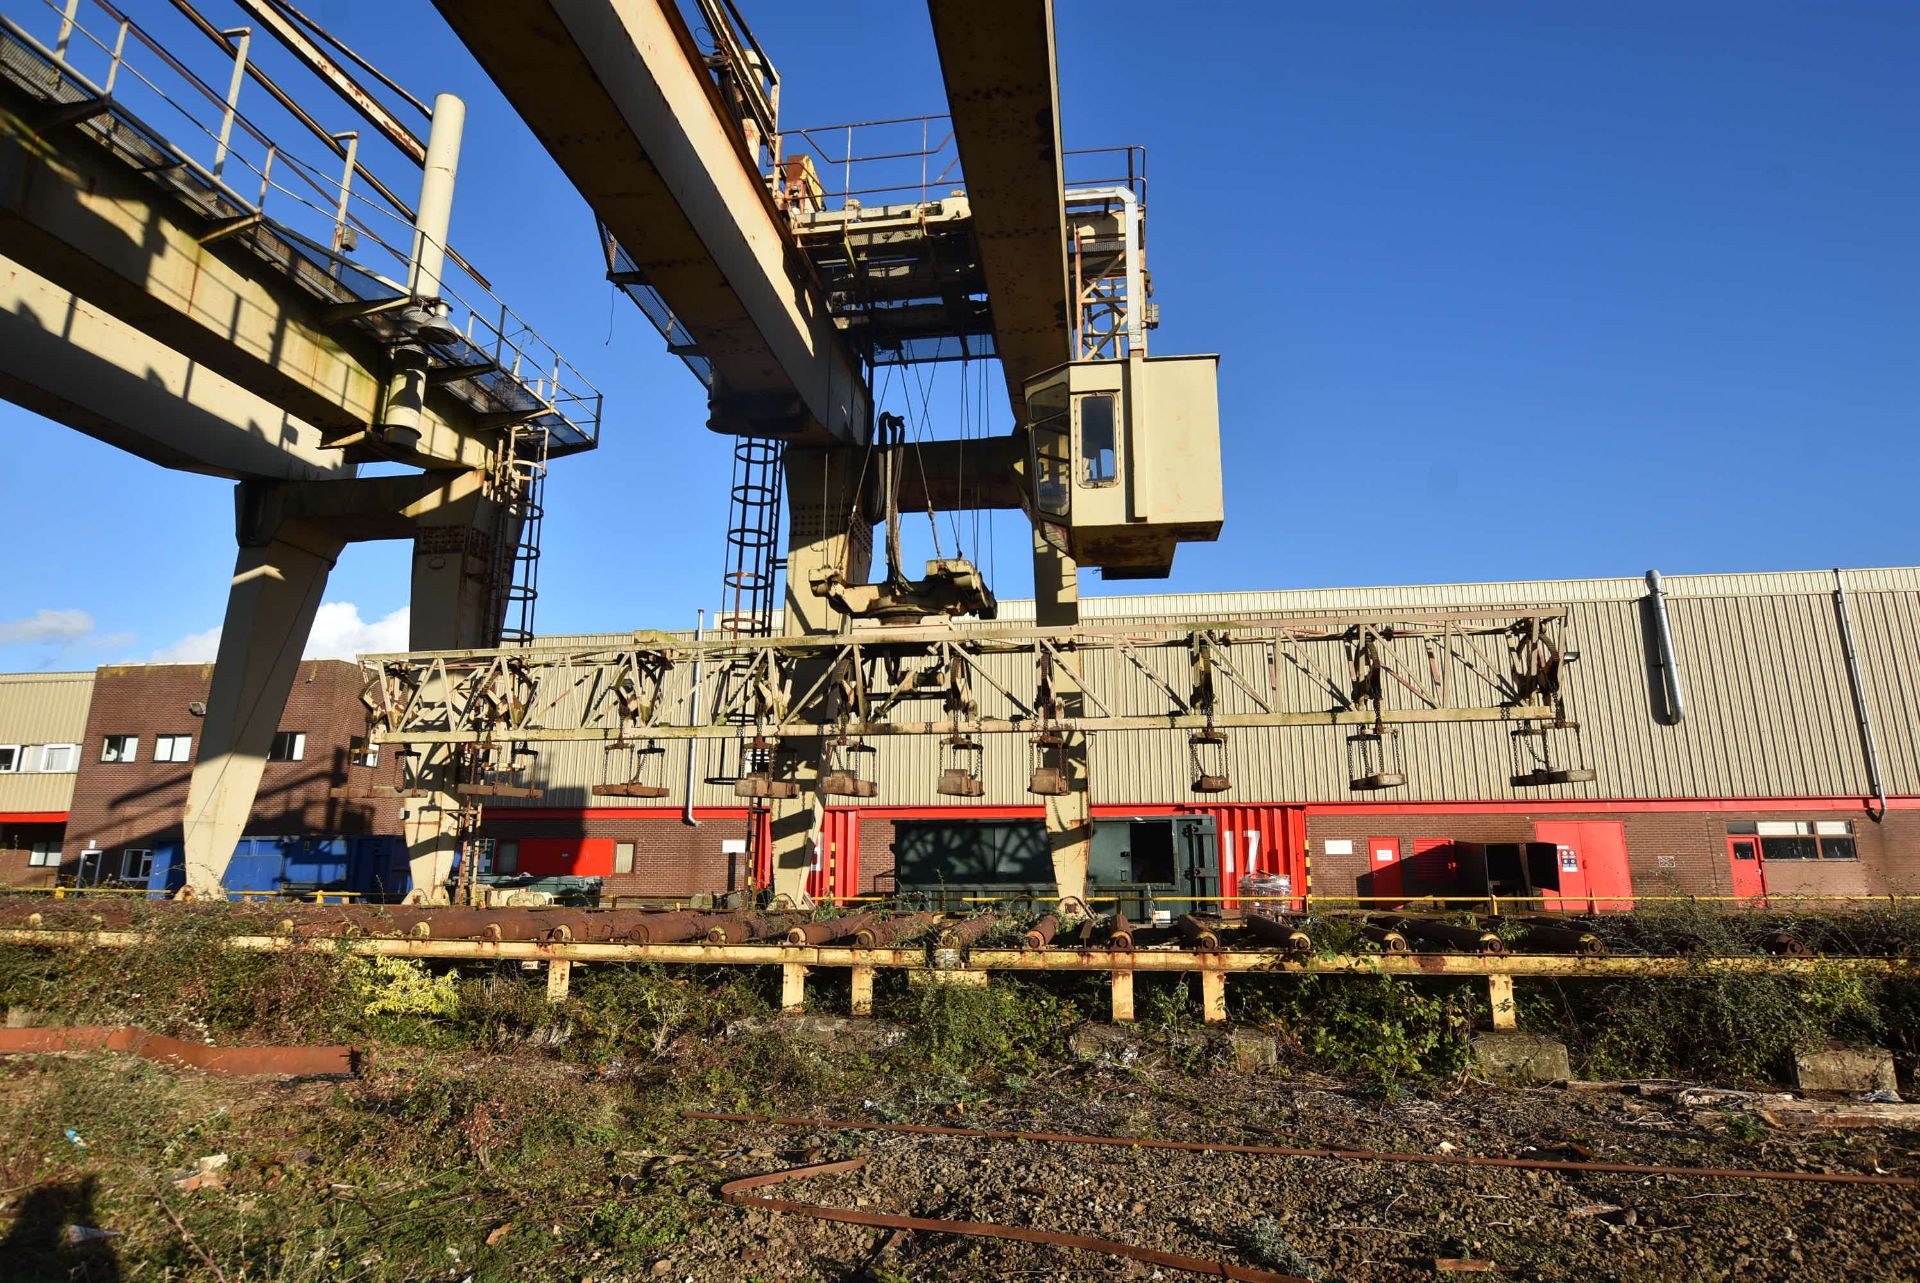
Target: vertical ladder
{"x":749,"y":581}
{"x":521,"y":485}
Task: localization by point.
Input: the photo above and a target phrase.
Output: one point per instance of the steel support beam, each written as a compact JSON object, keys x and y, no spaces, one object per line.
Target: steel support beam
{"x":621,"y":97}
{"x":290,"y":535}
{"x":89,"y":225}
{"x":1003,"y":92}
{"x":276,"y":589}
{"x":64,"y":358}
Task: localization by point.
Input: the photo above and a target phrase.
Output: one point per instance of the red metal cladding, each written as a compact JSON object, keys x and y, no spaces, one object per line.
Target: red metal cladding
{"x":1257,"y":840}
{"x":836,"y":865}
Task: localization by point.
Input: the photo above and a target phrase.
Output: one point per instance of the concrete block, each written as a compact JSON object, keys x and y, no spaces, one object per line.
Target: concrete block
{"x":1117,"y":1046}
{"x":1848,"y":1069}
{"x":864,"y":1036}
{"x":1521,"y":1057}
{"x":1252,"y":1050}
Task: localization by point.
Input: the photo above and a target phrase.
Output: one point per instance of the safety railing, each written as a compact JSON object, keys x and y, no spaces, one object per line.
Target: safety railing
{"x":906,"y":159}
{"x":914,"y":159}
{"x":172,"y":121}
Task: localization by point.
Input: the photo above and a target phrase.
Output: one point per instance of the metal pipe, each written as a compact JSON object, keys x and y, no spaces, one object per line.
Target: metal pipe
{"x":1869,"y":741}
{"x":1042,"y":933}
{"x":693,"y":715}
{"x":1663,"y":639}
{"x":1197,"y":934}
{"x":830,"y":929}
{"x":435,"y":211}
{"x":961,"y":934}
{"x":1272,"y":930}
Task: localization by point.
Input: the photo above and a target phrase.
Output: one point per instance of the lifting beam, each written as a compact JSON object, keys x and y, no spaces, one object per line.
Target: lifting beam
{"x":1003,"y":93}
{"x":621,"y":97}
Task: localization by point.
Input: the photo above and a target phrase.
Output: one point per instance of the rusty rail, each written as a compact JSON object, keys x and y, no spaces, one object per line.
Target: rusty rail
{"x":1287,"y":1151}
{"x":735,"y":1193}
{"x":232,"y":1062}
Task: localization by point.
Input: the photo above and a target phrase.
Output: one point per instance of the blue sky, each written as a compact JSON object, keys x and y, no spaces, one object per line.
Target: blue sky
{"x":1502,"y":290}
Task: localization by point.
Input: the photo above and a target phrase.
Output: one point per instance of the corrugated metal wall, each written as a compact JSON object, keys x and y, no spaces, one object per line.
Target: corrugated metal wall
{"x":41,"y":708}
{"x":1770,"y":709}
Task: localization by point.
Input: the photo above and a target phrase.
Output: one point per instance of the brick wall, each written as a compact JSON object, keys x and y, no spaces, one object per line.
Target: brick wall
{"x":16,"y":854}
{"x":1668,"y":852}
{"x":672,"y":859}
{"x":120,"y":805}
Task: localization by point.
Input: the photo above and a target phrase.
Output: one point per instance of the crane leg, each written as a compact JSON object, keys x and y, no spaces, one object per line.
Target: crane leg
{"x":276,"y":589}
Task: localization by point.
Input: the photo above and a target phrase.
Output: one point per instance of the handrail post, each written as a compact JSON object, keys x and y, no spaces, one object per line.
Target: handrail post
{"x":351,"y":140}
{"x":242,"y":38}
{"x":119,"y":53}
{"x":69,"y":19}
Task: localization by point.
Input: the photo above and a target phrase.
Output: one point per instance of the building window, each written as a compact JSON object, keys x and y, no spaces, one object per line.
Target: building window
{"x":288,"y":746}
{"x":361,"y":753}
{"x":45,"y":855}
{"x":59,"y":759}
{"x":136,"y":864}
{"x":1801,"y":839}
{"x":9,"y":758}
{"x":623,"y":857}
{"x":120,"y":748}
{"x":173,"y":748}
{"x":506,"y":858}
{"x":1098,"y":456}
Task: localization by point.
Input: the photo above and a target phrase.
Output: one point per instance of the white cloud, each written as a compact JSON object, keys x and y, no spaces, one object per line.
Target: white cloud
{"x":196,"y":648}
{"x":59,"y":627}
{"x":338,"y":633}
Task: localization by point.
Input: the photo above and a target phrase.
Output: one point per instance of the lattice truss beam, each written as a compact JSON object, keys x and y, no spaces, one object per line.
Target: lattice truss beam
{"x":1204,"y":676}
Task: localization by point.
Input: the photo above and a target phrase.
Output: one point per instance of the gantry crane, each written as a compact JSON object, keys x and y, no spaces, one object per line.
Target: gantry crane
{"x":784,"y":299}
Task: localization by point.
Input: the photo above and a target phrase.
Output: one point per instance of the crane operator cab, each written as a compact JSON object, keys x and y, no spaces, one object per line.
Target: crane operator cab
{"x":1124,"y":460}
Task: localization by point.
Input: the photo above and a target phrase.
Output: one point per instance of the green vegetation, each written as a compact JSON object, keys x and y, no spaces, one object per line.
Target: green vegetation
{"x":1729,"y":1026}
{"x":498,"y":1136}
{"x":1263,"y":1243}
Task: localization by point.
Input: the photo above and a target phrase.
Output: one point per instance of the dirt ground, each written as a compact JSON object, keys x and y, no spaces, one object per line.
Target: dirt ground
{"x":456,"y":1167}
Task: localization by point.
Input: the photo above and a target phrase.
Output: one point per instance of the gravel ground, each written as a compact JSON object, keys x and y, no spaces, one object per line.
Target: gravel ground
{"x":1346,"y":1220}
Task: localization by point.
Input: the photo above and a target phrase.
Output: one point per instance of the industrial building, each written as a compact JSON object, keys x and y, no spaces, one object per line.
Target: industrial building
{"x":845,"y":727}
{"x":1777,"y":753}
{"x":94,"y":770}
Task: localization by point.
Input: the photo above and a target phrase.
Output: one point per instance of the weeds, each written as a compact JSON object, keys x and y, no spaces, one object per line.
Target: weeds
{"x":1383,"y":1028}
{"x":1263,"y":1243}
{"x":963,"y":1030}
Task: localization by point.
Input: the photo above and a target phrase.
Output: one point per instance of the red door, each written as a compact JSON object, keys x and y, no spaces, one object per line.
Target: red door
{"x":1435,"y":863}
{"x":1383,"y":863}
{"x":1593,"y":864}
{"x":566,"y":857}
{"x":1748,"y":866}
